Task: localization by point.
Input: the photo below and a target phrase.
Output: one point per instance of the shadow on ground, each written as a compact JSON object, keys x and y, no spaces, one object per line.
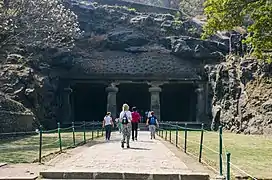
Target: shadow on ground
{"x":141,"y":149}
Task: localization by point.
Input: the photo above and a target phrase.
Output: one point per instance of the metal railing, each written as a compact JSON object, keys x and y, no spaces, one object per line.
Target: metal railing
{"x":45,"y":142}
{"x":176,"y":133}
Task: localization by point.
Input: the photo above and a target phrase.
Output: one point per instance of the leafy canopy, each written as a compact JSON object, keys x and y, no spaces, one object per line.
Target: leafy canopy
{"x":37,"y":23}
{"x":253,"y":15}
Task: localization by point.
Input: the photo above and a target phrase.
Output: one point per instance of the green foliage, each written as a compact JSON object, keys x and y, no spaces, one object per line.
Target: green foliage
{"x":132,"y":9}
{"x":192,"y":30}
{"x":178,"y":15}
{"x":177,"y":23}
{"x":254,"y":15}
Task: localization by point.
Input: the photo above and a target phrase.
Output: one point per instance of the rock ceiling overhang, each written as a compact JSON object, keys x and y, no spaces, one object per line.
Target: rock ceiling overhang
{"x":148,"y":65}
{"x":119,"y":42}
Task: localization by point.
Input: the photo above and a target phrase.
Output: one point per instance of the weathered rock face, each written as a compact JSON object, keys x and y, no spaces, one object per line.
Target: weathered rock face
{"x":30,"y":89}
{"x":124,"y":29}
{"x":120,"y":32}
{"x":14,"y":116}
{"x":242,"y":95}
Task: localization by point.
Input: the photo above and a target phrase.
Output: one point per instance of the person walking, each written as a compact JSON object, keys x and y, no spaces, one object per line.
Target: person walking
{"x":119,"y":125}
{"x":125,"y":118}
{"x":107,"y":124}
{"x":134,"y":123}
{"x":152,"y":123}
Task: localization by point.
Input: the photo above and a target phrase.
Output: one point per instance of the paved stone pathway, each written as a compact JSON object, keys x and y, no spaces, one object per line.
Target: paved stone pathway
{"x":144,"y":156}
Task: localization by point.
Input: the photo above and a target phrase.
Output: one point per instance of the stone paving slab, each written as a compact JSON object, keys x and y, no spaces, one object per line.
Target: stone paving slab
{"x":145,"y":159}
{"x":144,"y":156}
{"x":118,"y":175}
{"x":20,"y":171}
{"x":19,"y":178}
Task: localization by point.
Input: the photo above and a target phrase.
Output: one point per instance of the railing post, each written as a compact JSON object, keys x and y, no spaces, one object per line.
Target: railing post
{"x":74,"y":138}
{"x":84,"y":132}
{"x":59,"y":132}
{"x":177,"y":136}
{"x":220,"y":151}
{"x":40,"y":148}
{"x":166,"y":135}
{"x":93,"y":131}
{"x":185,"y":138}
{"x":162,"y":133}
{"x":228,"y":166}
{"x":201,"y":142}
{"x":170,"y":136}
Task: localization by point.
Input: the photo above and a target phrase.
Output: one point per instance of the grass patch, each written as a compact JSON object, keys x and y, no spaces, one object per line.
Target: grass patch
{"x":26,"y":149}
{"x":251,"y":153}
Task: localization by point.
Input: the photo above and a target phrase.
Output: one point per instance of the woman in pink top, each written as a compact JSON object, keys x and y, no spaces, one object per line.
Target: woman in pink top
{"x":135,"y":120}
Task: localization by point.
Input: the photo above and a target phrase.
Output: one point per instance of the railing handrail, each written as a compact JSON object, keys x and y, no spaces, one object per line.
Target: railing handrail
{"x":162,"y":131}
{"x":181,"y":127}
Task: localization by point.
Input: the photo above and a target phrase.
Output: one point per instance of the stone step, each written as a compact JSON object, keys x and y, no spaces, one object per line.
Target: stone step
{"x":119,"y":175}
{"x":19,"y":178}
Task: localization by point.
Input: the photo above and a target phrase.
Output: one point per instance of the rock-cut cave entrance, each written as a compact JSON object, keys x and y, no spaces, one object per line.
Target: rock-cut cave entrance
{"x":134,"y":95}
{"x":89,"y":102}
{"x":178,"y":102}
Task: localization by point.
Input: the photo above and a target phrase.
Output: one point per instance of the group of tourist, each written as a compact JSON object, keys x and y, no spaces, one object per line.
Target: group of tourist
{"x":127,"y":124}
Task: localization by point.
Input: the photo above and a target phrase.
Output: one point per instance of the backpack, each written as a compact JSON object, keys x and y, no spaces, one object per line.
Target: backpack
{"x":152,"y":120}
{"x":125,"y":118}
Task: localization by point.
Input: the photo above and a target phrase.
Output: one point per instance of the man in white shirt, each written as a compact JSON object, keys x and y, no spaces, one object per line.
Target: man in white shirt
{"x":125,"y":118}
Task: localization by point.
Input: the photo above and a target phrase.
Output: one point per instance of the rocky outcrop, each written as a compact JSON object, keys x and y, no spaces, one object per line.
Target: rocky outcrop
{"x":14,"y":116}
{"x":124,"y":29}
{"x":111,"y":33}
{"x":242,"y":95}
{"x":116,"y":35}
{"x":27,"y":93}
{"x":189,"y":47}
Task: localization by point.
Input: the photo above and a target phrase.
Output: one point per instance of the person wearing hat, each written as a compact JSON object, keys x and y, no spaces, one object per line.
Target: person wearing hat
{"x":134,"y":123}
{"x":152,"y":123}
{"x":107,"y":124}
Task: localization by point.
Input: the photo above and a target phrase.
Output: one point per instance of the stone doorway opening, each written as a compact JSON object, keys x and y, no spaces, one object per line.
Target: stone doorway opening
{"x":134,"y":95}
{"x":89,"y":102}
{"x":178,"y":102}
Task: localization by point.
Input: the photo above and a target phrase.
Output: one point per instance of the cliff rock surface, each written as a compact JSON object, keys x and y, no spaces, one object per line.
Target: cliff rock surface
{"x":241,"y":95}
{"x":27,"y":77}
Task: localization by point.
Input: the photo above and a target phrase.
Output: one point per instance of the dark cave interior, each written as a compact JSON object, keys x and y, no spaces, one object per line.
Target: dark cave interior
{"x":134,"y":95}
{"x":89,"y":102}
{"x":178,"y":101}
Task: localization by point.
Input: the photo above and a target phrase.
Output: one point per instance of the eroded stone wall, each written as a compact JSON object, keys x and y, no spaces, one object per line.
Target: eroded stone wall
{"x":242,"y":95}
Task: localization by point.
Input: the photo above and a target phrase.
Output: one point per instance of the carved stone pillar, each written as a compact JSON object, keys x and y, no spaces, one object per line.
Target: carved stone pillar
{"x":155,"y":101}
{"x":200,"y":107}
{"x":67,"y":111}
{"x":111,"y":104}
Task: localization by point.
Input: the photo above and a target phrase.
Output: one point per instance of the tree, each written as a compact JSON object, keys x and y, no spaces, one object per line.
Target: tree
{"x":253,"y":15}
{"x":37,"y":23}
